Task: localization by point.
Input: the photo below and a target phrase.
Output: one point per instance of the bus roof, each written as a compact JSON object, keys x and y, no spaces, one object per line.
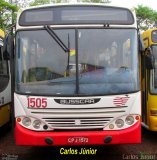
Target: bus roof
{"x":148,"y":31}
{"x":74,"y":4}
{"x":149,"y":36}
{"x":2,"y":33}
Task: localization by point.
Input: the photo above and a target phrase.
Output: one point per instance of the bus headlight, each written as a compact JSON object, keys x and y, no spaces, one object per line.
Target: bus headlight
{"x":122,"y":122}
{"x":119,"y":123}
{"x":129,"y":120}
{"x":111,"y":126}
{"x":36,"y":124}
{"x":33,"y":123}
{"x":26,"y":121}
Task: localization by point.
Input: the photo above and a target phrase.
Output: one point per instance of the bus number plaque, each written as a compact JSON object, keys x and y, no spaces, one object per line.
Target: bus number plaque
{"x":37,"y":102}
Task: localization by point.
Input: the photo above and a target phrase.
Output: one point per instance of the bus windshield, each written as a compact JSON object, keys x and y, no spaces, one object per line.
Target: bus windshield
{"x":99,"y":61}
{"x":153,"y":81}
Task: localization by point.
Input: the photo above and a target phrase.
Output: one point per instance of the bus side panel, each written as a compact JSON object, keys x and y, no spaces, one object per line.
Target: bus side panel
{"x":152,"y":107}
{"x":5,"y":108}
{"x":4,"y":114}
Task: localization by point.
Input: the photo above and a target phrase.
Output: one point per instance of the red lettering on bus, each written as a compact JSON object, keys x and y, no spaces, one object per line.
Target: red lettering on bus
{"x":37,"y":102}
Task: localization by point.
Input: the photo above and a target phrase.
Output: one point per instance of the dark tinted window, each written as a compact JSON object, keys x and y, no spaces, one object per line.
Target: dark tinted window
{"x":4,"y":77}
{"x":154,"y":36}
{"x":76,"y":15}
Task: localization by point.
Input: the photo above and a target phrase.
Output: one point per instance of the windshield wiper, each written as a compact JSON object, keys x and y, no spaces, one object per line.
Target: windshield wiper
{"x":56,"y":38}
{"x":59,"y":42}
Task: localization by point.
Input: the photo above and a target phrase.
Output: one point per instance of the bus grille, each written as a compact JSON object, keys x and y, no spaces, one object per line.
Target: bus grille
{"x":78,"y":118}
{"x":78,"y":123}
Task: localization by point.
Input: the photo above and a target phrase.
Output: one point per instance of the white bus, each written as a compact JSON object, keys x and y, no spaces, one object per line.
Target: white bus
{"x":77,"y":76}
{"x":5,"y":85}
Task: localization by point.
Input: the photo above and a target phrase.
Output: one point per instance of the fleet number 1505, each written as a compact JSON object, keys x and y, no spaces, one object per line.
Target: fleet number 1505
{"x":37,"y":102}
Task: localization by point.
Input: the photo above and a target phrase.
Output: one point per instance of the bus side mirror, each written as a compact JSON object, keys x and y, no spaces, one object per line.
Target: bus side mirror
{"x":141,"y":44}
{"x":149,"y":60}
{"x":8,"y":47}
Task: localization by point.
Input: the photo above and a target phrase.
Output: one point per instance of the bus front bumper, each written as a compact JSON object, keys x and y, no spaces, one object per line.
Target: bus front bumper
{"x":35,"y":138}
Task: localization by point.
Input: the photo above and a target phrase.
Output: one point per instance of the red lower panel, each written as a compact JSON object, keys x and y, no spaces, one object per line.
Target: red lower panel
{"x":27,"y":137}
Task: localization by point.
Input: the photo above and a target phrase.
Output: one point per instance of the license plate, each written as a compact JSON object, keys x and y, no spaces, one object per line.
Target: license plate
{"x":78,"y":140}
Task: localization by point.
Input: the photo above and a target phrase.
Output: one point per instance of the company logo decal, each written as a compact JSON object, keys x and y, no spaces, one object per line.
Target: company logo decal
{"x":77,"y":101}
{"x":77,"y":122}
{"x":121,"y":101}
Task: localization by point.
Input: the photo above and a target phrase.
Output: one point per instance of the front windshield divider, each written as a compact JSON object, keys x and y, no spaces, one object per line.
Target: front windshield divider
{"x":56,"y":38}
{"x":76,"y":58}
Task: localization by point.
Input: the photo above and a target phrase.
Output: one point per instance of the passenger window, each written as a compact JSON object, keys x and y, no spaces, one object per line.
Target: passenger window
{"x":4,"y":76}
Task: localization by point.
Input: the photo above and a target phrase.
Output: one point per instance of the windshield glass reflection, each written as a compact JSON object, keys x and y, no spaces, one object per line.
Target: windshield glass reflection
{"x":107,"y":64}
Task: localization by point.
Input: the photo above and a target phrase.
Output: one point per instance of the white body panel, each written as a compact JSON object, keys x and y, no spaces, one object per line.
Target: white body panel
{"x":104,"y":110}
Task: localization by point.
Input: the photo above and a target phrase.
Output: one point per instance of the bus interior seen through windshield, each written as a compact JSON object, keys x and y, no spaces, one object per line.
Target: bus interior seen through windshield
{"x":104,"y":61}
